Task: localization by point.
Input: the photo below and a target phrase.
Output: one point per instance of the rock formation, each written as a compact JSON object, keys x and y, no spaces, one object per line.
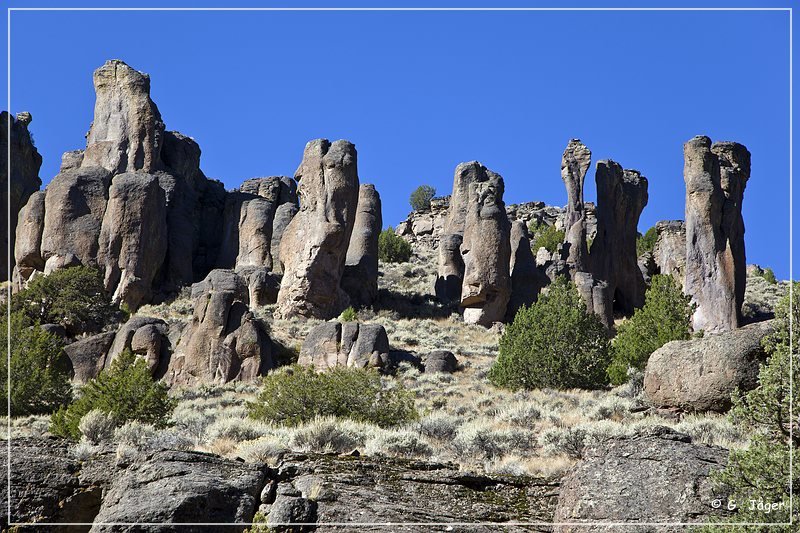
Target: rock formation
{"x":526,"y":280}
{"x":360,"y":278}
{"x":597,"y":296}
{"x":486,"y":249}
{"x":27,"y":248}
{"x":87,"y":356}
{"x":314,"y":245}
{"x":24,"y":179}
{"x":621,"y":197}
{"x":710,"y":369}
{"x":440,"y":361}
{"x":262,"y":285}
{"x":146,"y":337}
{"x":451,"y":265}
{"x":574,"y":164}
{"x":669,"y":251}
{"x":350,"y":344}
{"x":657,"y":476}
{"x":715,"y":176}
{"x":224,"y":341}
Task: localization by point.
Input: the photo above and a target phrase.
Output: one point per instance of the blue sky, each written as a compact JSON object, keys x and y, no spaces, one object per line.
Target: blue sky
{"x":419,"y":92}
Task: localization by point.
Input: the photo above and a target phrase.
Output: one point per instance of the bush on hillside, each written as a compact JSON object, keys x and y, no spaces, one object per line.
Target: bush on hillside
{"x":553,"y":343}
{"x":545,"y":236}
{"x":420,"y":199}
{"x":40,"y":381}
{"x":646,"y":242}
{"x":299,"y":394}
{"x":126,"y":391}
{"x":73,"y":297}
{"x":769,"y":276}
{"x":666,"y":316}
{"x":392,"y":248}
{"x":348,"y":315}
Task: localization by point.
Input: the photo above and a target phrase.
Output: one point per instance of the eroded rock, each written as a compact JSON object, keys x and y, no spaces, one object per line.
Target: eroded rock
{"x":350,"y":344}
{"x":360,"y":278}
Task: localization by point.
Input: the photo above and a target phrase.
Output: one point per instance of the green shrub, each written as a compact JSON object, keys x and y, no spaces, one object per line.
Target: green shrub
{"x":126,"y":391}
{"x":420,"y":199}
{"x":545,"y":236}
{"x":73,"y":297}
{"x":39,"y":368}
{"x":646,"y":242}
{"x":769,"y":276}
{"x":553,"y":343}
{"x":761,"y":472}
{"x":393,"y":248}
{"x":299,"y":394}
{"x":348,"y":315}
{"x":666,"y":316}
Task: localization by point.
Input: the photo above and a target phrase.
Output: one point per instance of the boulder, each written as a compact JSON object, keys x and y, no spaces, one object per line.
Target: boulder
{"x":348,"y":344}
{"x":360,"y":278}
{"x":314,"y":245}
{"x":669,"y":251}
{"x":292,"y":510}
{"x":87,"y":356}
{"x":526,"y":280}
{"x":126,"y":134}
{"x":440,"y":361}
{"x":262,"y":285}
{"x":715,"y":176}
{"x":486,"y":288}
{"x":657,"y":476}
{"x":133,"y":238}
{"x":28,"y":244}
{"x":224,"y":341}
{"x":71,"y":159}
{"x":597,"y":296}
{"x":710,"y":369}
{"x":147,"y":337}
{"x":621,"y":197}
{"x":575,"y":163}
{"x":23,"y":180}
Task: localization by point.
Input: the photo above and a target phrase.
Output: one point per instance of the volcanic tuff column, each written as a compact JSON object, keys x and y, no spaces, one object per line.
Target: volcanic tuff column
{"x":487,"y":253}
{"x":360,"y":279}
{"x":574,"y":164}
{"x":621,"y":197}
{"x":314,"y":246}
{"x":715,"y":178}
{"x":526,"y":280}
{"x":451,"y":264}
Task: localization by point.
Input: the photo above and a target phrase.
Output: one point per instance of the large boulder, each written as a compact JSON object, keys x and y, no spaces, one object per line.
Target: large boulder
{"x":314,"y":245}
{"x":526,"y":279}
{"x":224,"y":341}
{"x":126,"y":134}
{"x":575,"y":163}
{"x":486,"y":288}
{"x":669,"y":251}
{"x":147,"y":337}
{"x":87,"y":356}
{"x":702,"y":374}
{"x":360,"y":278}
{"x":715,"y":176}
{"x":621,"y":197}
{"x":133,"y":238}
{"x":348,"y":344}
{"x":23,"y":181}
{"x":658,"y":476}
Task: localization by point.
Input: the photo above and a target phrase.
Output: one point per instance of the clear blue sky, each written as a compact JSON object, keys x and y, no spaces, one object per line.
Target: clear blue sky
{"x":419,"y":92}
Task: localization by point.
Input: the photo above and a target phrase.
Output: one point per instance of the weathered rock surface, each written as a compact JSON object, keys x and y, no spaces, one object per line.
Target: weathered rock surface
{"x":701,"y":374}
{"x":596,"y":294}
{"x":621,"y":197}
{"x":262,"y":285}
{"x":669,"y":251}
{"x":575,"y":163}
{"x":127,"y":131}
{"x":526,"y":280}
{"x":486,"y":249}
{"x":27,"y":248}
{"x":147,"y":337}
{"x":360,"y":278}
{"x":715,"y":176}
{"x":224,"y":341}
{"x":87,"y":356}
{"x":314,"y":245}
{"x":247,"y":231}
{"x":24,"y":179}
{"x":133,"y":238}
{"x":440,"y":361}
{"x":655,"y":477}
{"x":350,"y":344}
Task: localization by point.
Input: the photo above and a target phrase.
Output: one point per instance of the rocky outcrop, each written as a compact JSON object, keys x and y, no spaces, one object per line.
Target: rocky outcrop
{"x":621,"y":197}
{"x":486,"y":249}
{"x":669,"y":251}
{"x":262,"y":285}
{"x":23,"y":181}
{"x":133,"y":238}
{"x":451,"y":267}
{"x":87,"y":356}
{"x":127,"y":131}
{"x":715,"y":176}
{"x":350,"y":344}
{"x":526,"y":280}
{"x":702,"y":374}
{"x":597,"y":296}
{"x":147,"y":337}
{"x":574,"y":164}
{"x":360,"y":278}
{"x":314,"y":245}
{"x":224,"y":341}
{"x":658,"y":476}
{"x":27,"y":248}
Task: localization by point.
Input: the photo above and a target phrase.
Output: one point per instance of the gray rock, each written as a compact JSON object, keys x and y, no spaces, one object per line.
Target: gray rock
{"x":596,"y":295}
{"x":28,"y":244}
{"x":70,"y":160}
{"x":360,"y":278}
{"x":440,"y":361}
{"x":262,"y":285}
{"x":247,"y":230}
{"x":292,"y":514}
{"x":283,"y":216}
{"x":348,"y":344}
{"x":702,"y":374}
{"x":314,"y":245}
{"x":669,"y":251}
{"x":87,"y":356}
{"x":575,"y":163}
{"x":526,"y":280}
{"x":148,"y":338}
{"x":656,"y":476}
